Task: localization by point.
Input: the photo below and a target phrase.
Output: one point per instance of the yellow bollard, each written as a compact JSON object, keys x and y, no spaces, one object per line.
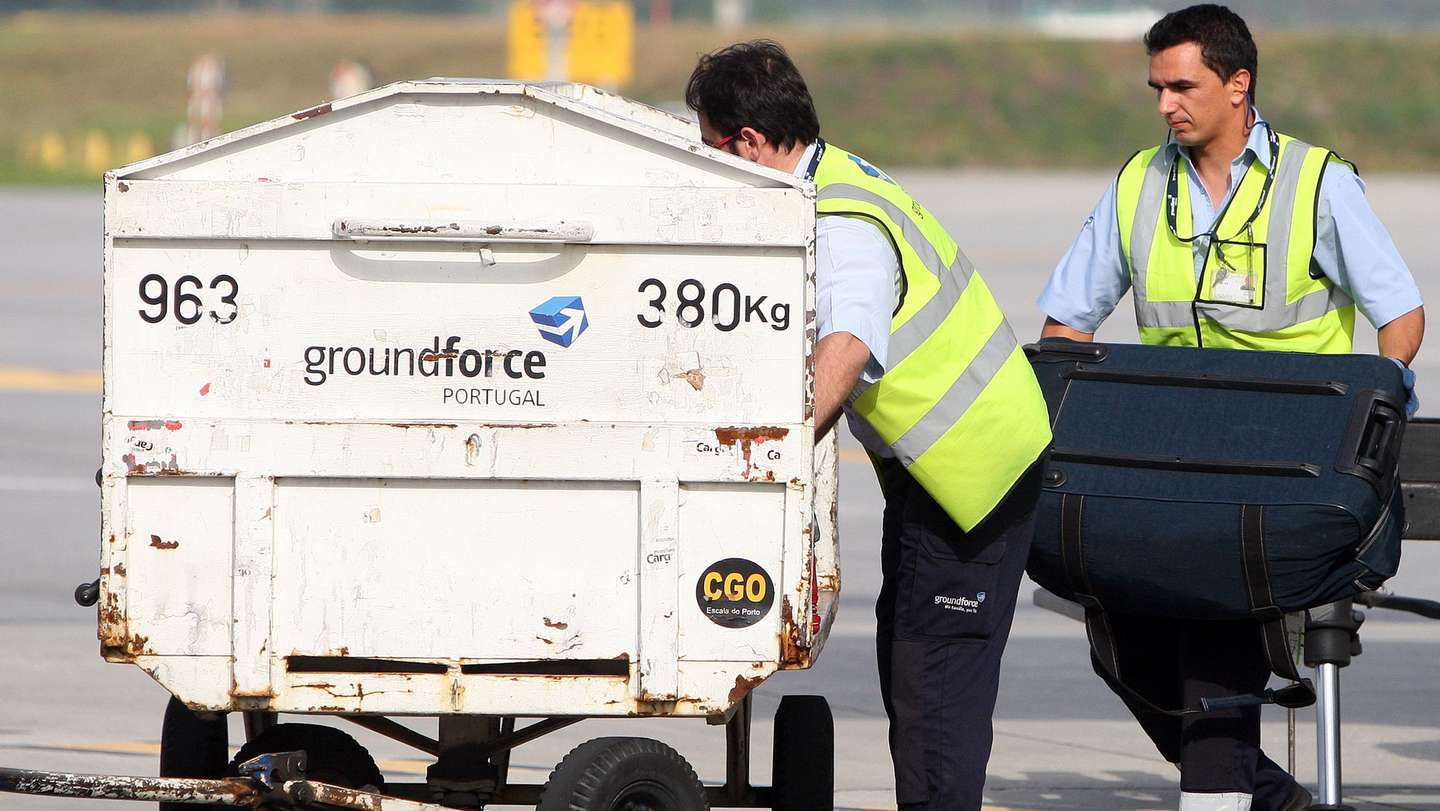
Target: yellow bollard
{"x":138,"y":148}
{"x":602,"y":43}
{"x":525,"y":53}
{"x":51,"y":152}
{"x":95,"y":153}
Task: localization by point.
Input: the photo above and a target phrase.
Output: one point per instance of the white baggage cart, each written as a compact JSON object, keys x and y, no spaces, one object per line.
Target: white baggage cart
{"x":471,"y":399}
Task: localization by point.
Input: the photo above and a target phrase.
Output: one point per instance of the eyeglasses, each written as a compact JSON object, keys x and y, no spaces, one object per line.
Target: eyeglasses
{"x":720,"y":144}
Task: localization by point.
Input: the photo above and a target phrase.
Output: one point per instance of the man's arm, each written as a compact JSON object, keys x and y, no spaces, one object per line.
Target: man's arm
{"x":839,"y":359}
{"x":856,"y":283}
{"x":1055,"y":329}
{"x":1400,"y":339}
{"x":1090,"y":280}
{"x":1355,"y":251}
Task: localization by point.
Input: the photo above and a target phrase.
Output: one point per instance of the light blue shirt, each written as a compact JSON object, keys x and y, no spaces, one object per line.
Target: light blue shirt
{"x":857,"y":286}
{"x":1352,"y":248}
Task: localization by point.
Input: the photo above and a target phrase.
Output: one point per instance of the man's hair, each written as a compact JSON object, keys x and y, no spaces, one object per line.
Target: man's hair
{"x":1225,"y":42}
{"x":754,"y":84}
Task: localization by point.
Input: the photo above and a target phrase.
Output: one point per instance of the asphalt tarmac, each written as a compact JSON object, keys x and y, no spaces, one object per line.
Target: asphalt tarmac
{"x":1062,"y":741}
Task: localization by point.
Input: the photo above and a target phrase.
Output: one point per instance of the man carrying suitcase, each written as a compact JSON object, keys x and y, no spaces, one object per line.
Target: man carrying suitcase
{"x":1229,"y":235}
{"x":912,"y":346}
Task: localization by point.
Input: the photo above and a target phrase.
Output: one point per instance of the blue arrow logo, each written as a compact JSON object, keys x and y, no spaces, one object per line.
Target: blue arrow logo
{"x":561,"y":319}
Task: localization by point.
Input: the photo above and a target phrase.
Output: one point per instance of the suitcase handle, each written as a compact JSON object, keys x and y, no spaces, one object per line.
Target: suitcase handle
{"x":1377,"y":444}
{"x":1372,"y":447}
{"x":1060,"y":350}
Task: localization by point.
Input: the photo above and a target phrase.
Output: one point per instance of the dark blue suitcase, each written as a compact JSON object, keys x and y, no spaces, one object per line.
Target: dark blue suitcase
{"x":1217,"y":484}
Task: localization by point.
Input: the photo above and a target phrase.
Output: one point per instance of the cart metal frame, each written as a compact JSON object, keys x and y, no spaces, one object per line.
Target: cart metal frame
{"x":281,"y":784}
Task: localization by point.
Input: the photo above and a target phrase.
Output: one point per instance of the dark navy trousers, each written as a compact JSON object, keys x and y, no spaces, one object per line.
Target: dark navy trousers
{"x":1176,"y":662}
{"x":943,"y":618}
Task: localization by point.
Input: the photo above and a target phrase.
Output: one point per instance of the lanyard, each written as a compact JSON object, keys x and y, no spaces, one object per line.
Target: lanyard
{"x":1172,"y":194}
{"x":815,"y":159}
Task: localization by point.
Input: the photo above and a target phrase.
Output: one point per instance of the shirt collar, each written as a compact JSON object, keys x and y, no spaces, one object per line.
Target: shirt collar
{"x":802,"y":169}
{"x":1258,"y":144}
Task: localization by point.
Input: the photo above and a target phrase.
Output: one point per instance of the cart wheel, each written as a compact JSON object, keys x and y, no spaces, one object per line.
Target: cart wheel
{"x":331,"y":755}
{"x":191,"y":746}
{"x":803,"y":778}
{"x":623,"y":774}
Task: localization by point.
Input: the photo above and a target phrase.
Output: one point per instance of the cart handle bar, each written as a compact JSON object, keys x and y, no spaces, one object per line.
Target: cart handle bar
{"x":232,"y":791}
{"x":362,"y":230}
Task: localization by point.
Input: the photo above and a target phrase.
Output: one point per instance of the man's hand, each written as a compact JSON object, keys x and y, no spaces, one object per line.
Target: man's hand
{"x":1407,"y":375}
{"x":1055,"y":329}
{"x":839,"y":359}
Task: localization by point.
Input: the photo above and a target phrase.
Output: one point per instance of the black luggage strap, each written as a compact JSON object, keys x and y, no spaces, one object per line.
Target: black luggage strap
{"x":1271,"y":618}
{"x":1072,"y":549}
{"x":1102,"y":638}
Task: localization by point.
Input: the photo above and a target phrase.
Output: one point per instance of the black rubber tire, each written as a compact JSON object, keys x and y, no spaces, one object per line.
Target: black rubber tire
{"x":191,"y":746}
{"x":803,"y":778}
{"x":331,"y":755}
{"x":623,"y":774}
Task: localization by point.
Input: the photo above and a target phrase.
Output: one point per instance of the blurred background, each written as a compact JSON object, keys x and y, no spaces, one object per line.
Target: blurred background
{"x":87,"y":85}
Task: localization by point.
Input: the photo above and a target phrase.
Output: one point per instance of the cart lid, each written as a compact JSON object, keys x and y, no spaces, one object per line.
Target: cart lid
{"x":557,"y":133}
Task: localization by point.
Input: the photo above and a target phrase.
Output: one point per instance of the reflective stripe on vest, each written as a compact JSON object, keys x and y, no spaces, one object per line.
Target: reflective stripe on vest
{"x":958,"y":403}
{"x":1296,"y":312}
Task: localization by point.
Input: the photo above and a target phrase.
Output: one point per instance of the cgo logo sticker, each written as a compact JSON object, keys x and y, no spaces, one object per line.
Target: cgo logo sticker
{"x":735,"y":593}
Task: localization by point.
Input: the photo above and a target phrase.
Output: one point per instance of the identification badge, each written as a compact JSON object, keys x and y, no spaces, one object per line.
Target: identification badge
{"x":1233,"y":287}
{"x":1237,"y":273}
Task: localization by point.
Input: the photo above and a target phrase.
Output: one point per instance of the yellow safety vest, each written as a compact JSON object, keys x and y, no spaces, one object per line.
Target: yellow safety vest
{"x":958,"y":402}
{"x":1256,"y":290}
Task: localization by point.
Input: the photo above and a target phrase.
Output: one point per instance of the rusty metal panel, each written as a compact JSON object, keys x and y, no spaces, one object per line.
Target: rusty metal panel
{"x":824,"y":539}
{"x":463,"y":397}
{"x":179,"y":533}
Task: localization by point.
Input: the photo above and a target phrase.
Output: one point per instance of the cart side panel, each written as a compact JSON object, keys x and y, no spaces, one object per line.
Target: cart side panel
{"x":731,"y":571}
{"x":177,"y":564}
{"x":437,"y":568}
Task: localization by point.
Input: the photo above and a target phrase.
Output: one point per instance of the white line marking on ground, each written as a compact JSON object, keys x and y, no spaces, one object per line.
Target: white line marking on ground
{"x":46,"y":484}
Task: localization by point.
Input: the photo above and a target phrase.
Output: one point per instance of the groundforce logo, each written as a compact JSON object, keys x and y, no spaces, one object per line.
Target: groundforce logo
{"x":449,"y":359}
{"x":561,"y":319}
{"x":964,"y":605}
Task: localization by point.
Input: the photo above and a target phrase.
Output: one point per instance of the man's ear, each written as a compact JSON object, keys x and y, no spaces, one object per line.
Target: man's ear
{"x":1240,"y":85}
{"x":753,"y":138}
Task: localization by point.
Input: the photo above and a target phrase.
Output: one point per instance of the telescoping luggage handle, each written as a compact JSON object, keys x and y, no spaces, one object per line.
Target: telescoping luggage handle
{"x":1371,"y":449}
{"x":368,"y":230}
